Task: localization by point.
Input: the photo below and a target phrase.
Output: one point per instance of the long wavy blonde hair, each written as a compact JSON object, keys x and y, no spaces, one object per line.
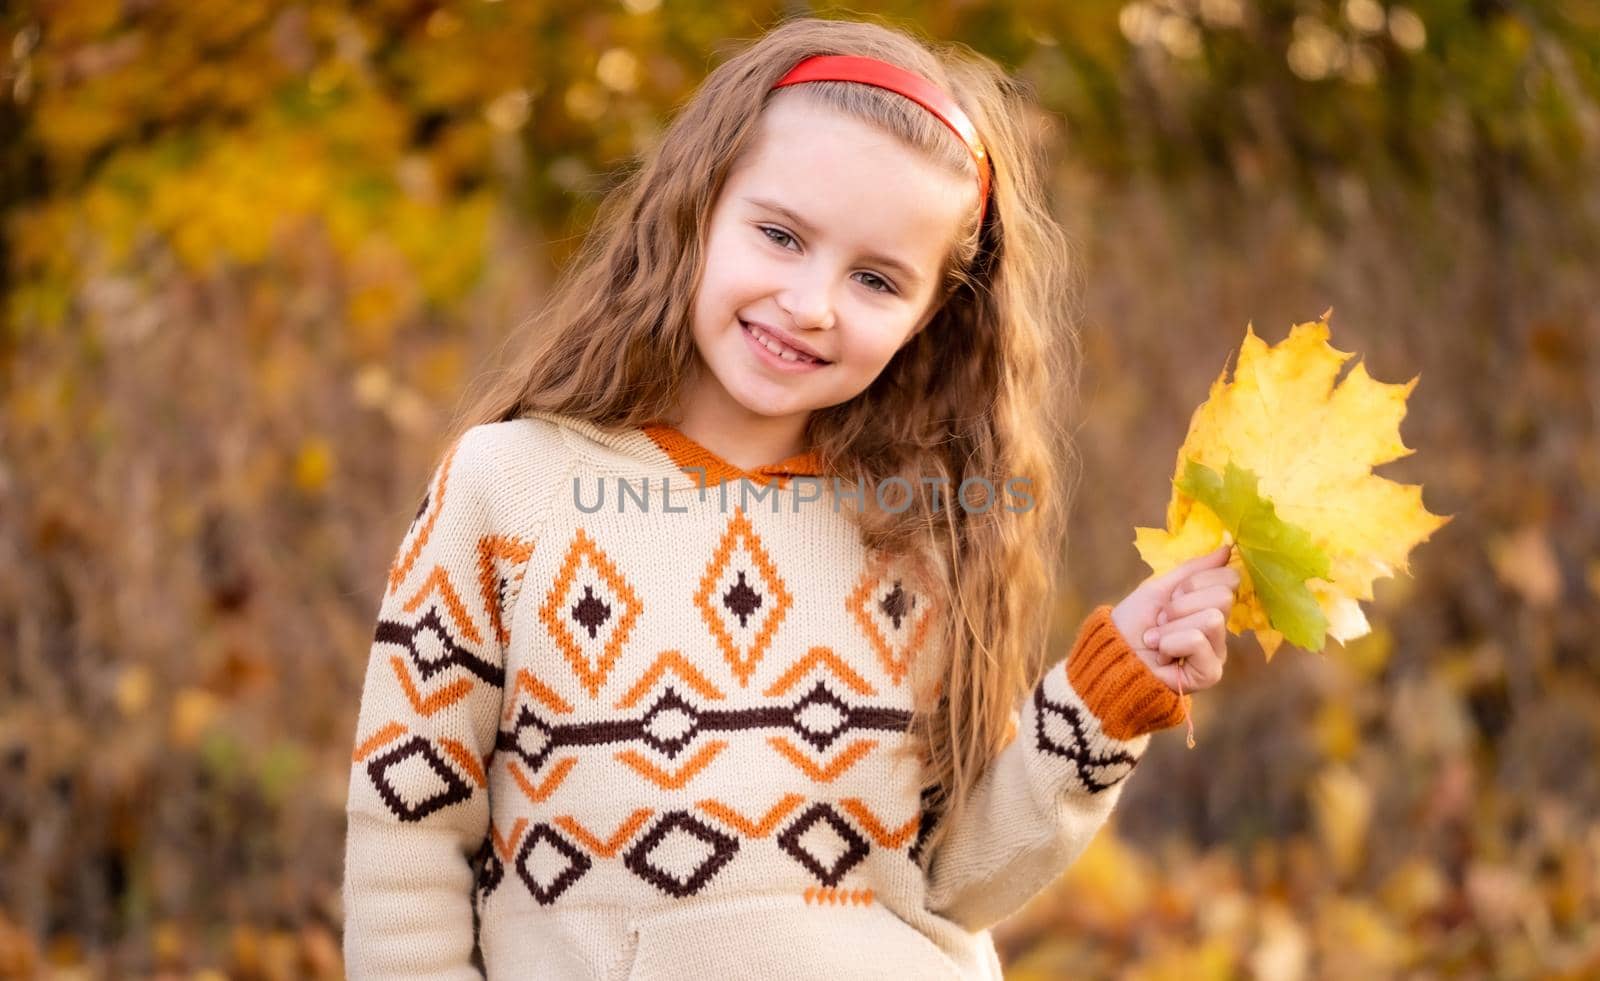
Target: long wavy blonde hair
{"x":982,"y":392}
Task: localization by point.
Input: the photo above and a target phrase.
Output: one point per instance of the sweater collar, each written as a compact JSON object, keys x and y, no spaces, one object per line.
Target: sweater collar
{"x":688,"y":454}
{"x":664,"y":448}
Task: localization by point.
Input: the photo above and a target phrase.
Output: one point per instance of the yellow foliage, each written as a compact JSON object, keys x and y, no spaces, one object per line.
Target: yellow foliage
{"x":1357,"y":940}
{"x":168,"y":941}
{"x":1113,"y":883}
{"x":1312,"y":447}
{"x":193,"y":711}
{"x":313,"y":464}
{"x":1341,"y":804}
{"x":1370,"y":653}
{"x":1414,"y":888}
{"x":1212,"y":958}
{"x":442,"y":368}
{"x":1282,"y":950}
{"x":134,"y":687}
{"x":1336,"y":729}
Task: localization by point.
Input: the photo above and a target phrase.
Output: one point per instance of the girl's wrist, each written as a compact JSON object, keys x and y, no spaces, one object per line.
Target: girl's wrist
{"x":1116,"y":684}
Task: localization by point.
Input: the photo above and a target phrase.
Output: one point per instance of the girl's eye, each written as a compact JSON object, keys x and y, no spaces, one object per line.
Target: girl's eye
{"x":768,"y":231}
{"x":777,"y":234}
{"x":886,"y":287}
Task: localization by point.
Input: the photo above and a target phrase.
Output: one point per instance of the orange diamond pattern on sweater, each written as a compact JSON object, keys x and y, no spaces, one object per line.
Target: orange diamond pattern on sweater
{"x":895,"y":619}
{"x":741,"y":597}
{"x":590,"y":611}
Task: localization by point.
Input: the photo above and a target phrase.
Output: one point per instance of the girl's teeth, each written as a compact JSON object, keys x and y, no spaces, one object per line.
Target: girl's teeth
{"x":773,"y":346}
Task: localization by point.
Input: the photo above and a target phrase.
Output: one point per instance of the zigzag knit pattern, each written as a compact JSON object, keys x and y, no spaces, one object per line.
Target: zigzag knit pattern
{"x":652,"y":735}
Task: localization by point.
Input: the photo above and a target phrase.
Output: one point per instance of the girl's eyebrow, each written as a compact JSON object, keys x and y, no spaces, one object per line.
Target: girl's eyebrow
{"x":905,"y":271}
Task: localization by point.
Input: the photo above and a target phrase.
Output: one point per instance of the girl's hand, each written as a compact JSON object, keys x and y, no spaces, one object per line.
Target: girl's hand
{"x":1176,"y":622}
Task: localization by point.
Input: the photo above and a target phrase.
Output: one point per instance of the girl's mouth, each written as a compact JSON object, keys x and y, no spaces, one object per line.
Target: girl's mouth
{"x":778,"y":353}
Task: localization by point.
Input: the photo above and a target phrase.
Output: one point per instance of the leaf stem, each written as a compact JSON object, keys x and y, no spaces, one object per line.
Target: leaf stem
{"x":1188,"y":717}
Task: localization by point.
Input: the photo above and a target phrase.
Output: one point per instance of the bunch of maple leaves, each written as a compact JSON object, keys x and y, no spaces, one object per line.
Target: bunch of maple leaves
{"x":1279,"y":462}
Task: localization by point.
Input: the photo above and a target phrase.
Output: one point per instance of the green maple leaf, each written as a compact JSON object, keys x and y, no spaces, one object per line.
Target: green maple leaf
{"x":1279,"y":556}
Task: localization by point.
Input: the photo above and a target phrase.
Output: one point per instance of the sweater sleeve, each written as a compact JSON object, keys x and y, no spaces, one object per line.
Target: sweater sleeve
{"x":418,"y":805}
{"x":1045,"y":795}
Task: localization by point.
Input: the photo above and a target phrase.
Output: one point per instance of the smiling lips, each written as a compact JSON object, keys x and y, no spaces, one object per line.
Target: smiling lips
{"x":778,"y":348}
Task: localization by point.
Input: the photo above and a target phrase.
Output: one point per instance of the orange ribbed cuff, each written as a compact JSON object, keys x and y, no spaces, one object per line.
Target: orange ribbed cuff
{"x":1120,"y":689}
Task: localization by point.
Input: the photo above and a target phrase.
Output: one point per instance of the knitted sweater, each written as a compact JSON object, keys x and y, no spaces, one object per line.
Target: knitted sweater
{"x":620,"y":743}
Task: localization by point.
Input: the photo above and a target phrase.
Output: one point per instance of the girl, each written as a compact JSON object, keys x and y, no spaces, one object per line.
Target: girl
{"x":716,"y":648}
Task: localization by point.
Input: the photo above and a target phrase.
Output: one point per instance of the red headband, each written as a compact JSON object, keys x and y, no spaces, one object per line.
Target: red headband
{"x":870,"y":71}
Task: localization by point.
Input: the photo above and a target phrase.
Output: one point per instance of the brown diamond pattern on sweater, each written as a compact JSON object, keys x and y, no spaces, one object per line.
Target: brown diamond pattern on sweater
{"x":1063,"y":731}
{"x":670,"y":725}
{"x":531,"y":738}
{"x":680,"y":854}
{"x":549,"y":871}
{"x":821,"y":717}
{"x":415,"y":781}
{"x":433,"y":648}
{"x":590,"y":611}
{"x":827,"y":851}
{"x":741,"y":598}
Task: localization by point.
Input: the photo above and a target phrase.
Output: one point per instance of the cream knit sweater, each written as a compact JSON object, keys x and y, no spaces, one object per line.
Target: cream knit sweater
{"x":670,"y":744}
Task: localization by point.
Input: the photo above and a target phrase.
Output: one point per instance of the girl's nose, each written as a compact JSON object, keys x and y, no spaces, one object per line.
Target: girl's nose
{"x":809,"y":302}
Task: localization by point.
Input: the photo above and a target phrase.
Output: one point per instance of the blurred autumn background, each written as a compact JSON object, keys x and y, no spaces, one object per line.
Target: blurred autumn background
{"x":255,"y":253}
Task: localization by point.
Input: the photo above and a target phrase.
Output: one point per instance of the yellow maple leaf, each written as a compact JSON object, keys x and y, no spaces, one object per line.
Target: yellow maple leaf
{"x":1311,"y":447}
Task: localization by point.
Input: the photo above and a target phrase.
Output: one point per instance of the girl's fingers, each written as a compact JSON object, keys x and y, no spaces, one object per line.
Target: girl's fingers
{"x":1212,"y":597}
{"x":1199,"y":620}
{"x":1215,"y":570}
{"x":1195,"y":663}
{"x":1209,"y":624}
{"x":1223,"y":576}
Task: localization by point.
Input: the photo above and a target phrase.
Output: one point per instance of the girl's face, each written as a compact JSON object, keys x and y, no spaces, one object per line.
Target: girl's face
{"x":829,"y":239}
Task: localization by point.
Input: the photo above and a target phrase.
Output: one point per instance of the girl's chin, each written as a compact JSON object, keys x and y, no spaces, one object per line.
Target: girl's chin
{"x":772,"y":408}
{"x":761,"y":396}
